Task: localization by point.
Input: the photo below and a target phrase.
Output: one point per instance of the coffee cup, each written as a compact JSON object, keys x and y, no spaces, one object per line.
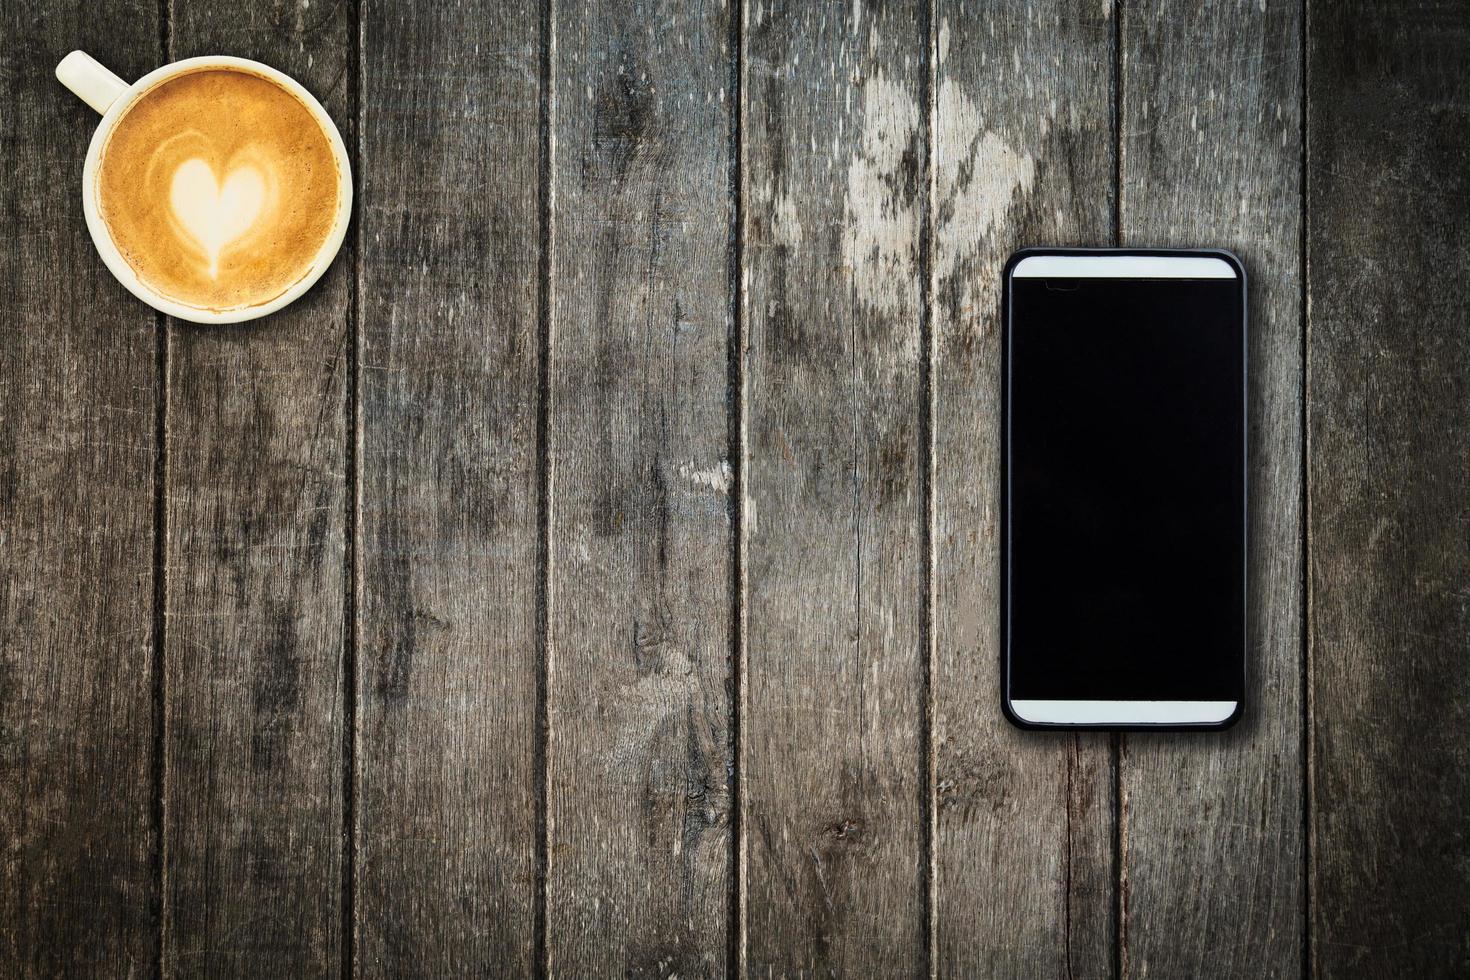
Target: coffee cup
{"x":216,"y":189}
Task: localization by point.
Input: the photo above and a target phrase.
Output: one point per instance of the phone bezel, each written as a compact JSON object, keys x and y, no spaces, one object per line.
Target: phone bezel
{"x":1110,"y":715}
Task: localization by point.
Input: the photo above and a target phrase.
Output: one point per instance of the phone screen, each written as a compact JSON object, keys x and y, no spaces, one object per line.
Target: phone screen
{"x":1125,"y":503}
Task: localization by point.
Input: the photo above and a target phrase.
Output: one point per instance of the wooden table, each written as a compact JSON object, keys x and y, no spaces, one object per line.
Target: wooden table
{"x":596,"y":573}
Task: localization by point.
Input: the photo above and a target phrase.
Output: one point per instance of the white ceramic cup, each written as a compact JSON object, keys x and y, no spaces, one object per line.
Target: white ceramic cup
{"x":111,"y":96}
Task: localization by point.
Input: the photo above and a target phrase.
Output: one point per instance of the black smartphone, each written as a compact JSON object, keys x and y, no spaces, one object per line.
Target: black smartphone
{"x":1123,"y":476}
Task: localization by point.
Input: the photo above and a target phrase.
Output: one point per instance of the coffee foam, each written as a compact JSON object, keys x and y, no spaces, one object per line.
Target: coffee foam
{"x":219,"y":188}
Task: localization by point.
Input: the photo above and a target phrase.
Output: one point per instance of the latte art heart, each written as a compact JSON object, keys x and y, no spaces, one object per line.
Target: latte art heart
{"x":212,"y":214}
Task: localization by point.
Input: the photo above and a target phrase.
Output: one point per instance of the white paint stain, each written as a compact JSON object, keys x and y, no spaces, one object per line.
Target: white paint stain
{"x":880,"y":237}
{"x":717,"y":478}
{"x":788,"y":230}
{"x":979,"y":174}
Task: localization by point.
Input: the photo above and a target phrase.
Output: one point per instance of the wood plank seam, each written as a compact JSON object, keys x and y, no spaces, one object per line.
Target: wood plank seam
{"x":544,"y":653}
{"x":736,"y":448}
{"x":929,"y":99}
{"x":352,"y":573}
{"x":1304,"y":435}
{"x":159,"y":663}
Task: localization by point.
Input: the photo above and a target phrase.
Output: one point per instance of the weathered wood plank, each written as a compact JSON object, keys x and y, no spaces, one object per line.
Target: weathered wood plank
{"x":447,"y":795}
{"x":256,"y":508}
{"x":1024,"y":143}
{"x":836,"y":191}
{"x":1389,"y":429}
{"x":1211,"y":155}
{"x":77,"y":452}
{"x":639,"y":713}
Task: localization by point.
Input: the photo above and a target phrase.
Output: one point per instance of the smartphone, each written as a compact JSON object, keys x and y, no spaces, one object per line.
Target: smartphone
{"x":1123,"y":476}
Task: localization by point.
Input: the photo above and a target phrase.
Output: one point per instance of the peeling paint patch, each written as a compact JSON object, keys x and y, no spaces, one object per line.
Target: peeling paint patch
{"x":979,"y":175}
{"x":716,"y":478}
{"x":879,"y":239}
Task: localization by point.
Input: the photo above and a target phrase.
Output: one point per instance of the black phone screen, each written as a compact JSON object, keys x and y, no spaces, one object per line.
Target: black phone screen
{"x":1125,"y":502}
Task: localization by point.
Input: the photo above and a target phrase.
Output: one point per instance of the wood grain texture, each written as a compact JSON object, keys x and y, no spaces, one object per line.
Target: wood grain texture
{"x":1212,"y":824}
{"x":446,"y":754}
{"x":256,"y":508}
{"x":1023,"y":846}
{"x":835,"y":195}
{"x":77,"y":451}
{"x":638,"y":822}
{"x":1389,"y":431}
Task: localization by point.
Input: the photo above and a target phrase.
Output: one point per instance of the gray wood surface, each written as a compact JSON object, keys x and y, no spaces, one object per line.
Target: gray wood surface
{"x":595,"y":574}
{"x":1212,"y":846}
{"x":835,"y":194}
{"x":639,"y":702}
{"x":256,"y":491}
{"x":1388,"y":244}
{"x":78,"y":885}
{"x":447,"y":794}
{"x":1023,"y":845}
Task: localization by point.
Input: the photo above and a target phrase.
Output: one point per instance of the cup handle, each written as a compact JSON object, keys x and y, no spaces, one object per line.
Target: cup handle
{"x":90,"y":81}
